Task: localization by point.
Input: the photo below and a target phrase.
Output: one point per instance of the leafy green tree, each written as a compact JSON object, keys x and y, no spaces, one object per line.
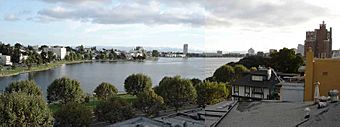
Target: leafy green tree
{"x":240,"y":70}
{"x":211,"y":93}
{"x":195,"y":82}
{"x":254,"y":61}
{"x":50,"y":56}
{"x":137,"y":83}
{"x":224,"y":74}
{"x":176,"y":91}
{"x":73,"y":115}
{"x":105,"y":90}
{"x":26,"y":86}
{"x":155,"y":53}
{"x":149,"y":102}
{"x":114,"y":110}
{"x":22,"y":110}
{"x":252,"y":69}
{"x":65,"y":90}
{"x":286,"y":61}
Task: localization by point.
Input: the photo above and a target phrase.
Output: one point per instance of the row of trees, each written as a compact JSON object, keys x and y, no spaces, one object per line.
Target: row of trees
{"x":283,"y":61}
{"x":172,"y":92}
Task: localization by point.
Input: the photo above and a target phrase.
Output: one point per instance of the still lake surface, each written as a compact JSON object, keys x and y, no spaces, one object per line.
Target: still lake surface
{"x":91,"y":75}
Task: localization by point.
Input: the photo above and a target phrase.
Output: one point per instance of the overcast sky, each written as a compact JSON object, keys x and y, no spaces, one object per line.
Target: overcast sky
{"x":228,"y":25}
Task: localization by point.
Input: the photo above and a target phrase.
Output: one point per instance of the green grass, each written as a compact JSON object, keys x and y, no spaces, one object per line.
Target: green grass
{"x":94,"y":102}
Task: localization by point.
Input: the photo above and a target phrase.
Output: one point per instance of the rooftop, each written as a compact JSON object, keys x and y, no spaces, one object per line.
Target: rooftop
{"x":273,"y":113}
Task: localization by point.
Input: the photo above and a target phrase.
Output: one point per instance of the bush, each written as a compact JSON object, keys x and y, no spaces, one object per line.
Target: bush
{"x":176,"y":91}
{"x":114,"y":110}
{"x":26,"y":86}
{"x":211,"y":93}
{"x":105,"y":90}
{"x":137,"y":83}
{"x":65,"y":90}
{"x":22,"y":110}
{"x":73,"y":114}
{"x":149,"y":102}
{"x":224,"y":74}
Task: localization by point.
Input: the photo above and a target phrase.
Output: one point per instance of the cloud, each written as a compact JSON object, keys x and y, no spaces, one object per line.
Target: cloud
{"x":76,"y":1}
{"x":195,"y":13}
{"x":11,"y":17}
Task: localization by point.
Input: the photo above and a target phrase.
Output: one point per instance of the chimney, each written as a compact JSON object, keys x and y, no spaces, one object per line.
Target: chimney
{"x":269,"y":73}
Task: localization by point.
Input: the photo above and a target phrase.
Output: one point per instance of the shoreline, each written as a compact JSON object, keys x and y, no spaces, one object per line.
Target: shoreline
{"x":22,"y":70}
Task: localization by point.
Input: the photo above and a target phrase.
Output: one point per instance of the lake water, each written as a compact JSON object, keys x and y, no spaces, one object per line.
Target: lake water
{"x":91,"y":75}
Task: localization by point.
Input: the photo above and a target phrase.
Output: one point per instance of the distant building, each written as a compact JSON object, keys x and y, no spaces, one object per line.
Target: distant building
{"x":5,"y":60}
{"x":220,"y":52}
{"x":251,"y":52}
{"x":256,"y":85}
{"x":260,"y":53}
{"x":60,"y":52}
{"x":272,"y":51}
{"x":301,"y":49}
{"x":336,"y":54}
{"x":320,"y":40}
{"x":185,"y":49}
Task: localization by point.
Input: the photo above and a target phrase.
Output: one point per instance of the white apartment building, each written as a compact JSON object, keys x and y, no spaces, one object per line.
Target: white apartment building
{"x":5,"y":60}
{"x":60,"y":52}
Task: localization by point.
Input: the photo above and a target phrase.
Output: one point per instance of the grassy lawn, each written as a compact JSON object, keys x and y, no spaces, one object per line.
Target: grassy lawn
{"x":94,"y":102}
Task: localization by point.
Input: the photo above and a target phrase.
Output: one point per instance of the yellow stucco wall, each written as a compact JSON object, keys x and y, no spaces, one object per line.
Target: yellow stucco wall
{"x":326,"y":71}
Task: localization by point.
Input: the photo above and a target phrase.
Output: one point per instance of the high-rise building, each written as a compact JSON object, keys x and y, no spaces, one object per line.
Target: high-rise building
{"x":320,"y":41}
{"x":185,"y":49}
{"x":301,"y":49}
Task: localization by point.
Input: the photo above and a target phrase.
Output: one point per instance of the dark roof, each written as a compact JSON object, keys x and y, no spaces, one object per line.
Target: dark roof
{"x":247,"y":80}
{"x":281,"y":114}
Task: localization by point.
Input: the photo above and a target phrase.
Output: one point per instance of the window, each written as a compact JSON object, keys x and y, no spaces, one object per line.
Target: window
{"x":324,"y":73}
{"x":257,"y":78}
{"x":236,"y":90}
{"x":247,"y":91}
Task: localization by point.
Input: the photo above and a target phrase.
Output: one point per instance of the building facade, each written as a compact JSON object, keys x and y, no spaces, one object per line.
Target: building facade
{"x":185,"y":49}
{"x":60,"y":52}
{"x":320,"y":40}
{"x":301,"y":49}
{"x":256,"y":85}
{"x":325,"y":71}
{"x":5,"y":60}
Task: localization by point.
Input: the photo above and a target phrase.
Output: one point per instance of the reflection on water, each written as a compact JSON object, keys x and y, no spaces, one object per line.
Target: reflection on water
{"x":92,"y":74}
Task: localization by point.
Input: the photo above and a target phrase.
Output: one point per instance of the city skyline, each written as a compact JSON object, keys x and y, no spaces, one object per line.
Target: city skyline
{"x":206,"y":26}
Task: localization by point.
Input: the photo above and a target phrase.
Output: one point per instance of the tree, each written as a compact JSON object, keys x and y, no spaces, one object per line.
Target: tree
{"x":26,"y":86}
{"x":176,"y":91}
{"x":50,"y":56}
{"x":65,"y":90}
{"x":114,"y":110}
{"x":211,"y":93}
{"x":22,"y":110}
{"x":224,"y":74}
{"x":105,"y":90}
{"x":155,"y":53}
{"x":254,"y":61}
{"x":240,"y":70}
{"x":149,"y":102}
{"x":195,"y":82}
{"x":286,"y":61}
{"x":252,"y":69}
{"x":137,"y":83}
{"x":73,"y":115}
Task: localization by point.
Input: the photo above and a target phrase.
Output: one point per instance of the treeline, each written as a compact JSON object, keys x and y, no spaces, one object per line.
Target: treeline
{"x":172,"y":93}
{"x":285,"y":61}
